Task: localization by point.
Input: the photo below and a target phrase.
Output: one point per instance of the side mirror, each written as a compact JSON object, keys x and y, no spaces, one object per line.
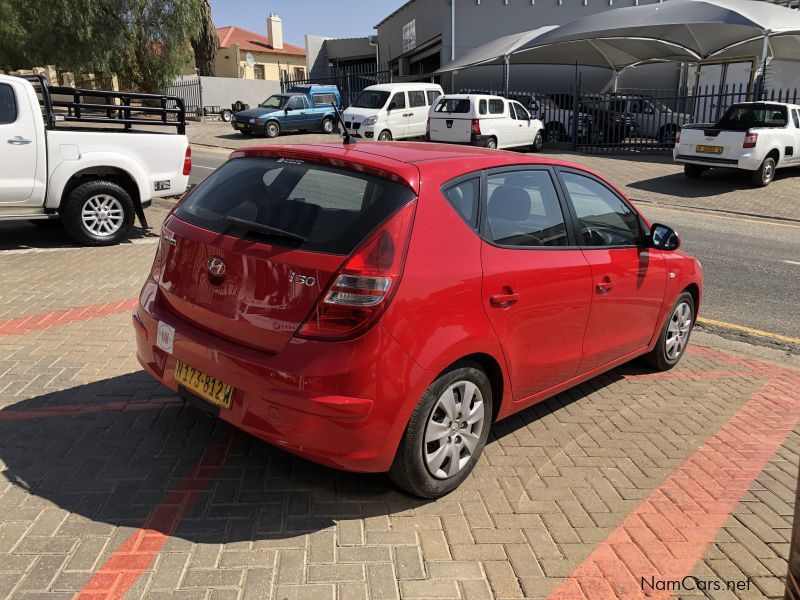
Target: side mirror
{"x":392,"y":106}
{"x":287,"y":109}
{"x":663,"y":237}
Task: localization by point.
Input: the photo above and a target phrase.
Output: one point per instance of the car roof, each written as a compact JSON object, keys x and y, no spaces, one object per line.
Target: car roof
{"x":408,"y":161}
{"x":389,"y":87}
{"x":468,"y":96}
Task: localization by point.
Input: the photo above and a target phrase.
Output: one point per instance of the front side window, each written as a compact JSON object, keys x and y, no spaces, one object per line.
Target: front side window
{"x":399,"y":100}
{"x":523,"y":210}
{"x":522,"y":114}
{"x":8,"y":104}
{"x":496,"y":107}
{"x":604,"y":219}
{"x":296,"y":102}
{"x":416,"y":98}
{"x":464,"y":198}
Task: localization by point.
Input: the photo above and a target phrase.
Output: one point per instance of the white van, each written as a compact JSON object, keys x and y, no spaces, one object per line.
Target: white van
{"x":391,"y":111}
{"x":481,"y":120}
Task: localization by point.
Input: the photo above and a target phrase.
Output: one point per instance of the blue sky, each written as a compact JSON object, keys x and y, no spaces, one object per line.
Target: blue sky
{"x":331,"y":18}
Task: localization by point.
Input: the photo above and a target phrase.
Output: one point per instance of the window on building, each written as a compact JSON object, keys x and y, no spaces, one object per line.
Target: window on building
{"x":496,"y":107}
{"x":416,"y":98}
{"x":299,"y":73}
{"x":258,"y":72}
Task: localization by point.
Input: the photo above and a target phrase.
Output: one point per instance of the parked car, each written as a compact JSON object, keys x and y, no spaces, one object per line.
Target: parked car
{"x":558,"y":122}
{"x":481,"y":120}
{"x":378,"y":309}
{"x":302,"y":108}
{"x":652,"y":118}
{"x":391,"y":111}
{"x":759,"y":137}
{"x":95,"y":179}
{"x":611,"y":118}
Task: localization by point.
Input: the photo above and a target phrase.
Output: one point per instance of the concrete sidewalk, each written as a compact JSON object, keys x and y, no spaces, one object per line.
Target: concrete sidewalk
{"x":643,"y":178}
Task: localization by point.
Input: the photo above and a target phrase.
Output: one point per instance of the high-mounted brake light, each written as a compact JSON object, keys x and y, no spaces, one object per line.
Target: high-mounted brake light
{"x":750,"y":140}
{"x":187,"y":161}
{"x":365,"y":284}
{"x":476,"y":127}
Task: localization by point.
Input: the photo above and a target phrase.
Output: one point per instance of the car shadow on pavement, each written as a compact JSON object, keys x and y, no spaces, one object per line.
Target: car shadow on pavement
{"x":712,"y":183}
{"x":114,"y":452}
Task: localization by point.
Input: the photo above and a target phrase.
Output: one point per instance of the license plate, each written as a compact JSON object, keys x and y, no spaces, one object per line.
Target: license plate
{"x":238,"y":126}
{"x":207,"y":387}
{"x":709,"y":149}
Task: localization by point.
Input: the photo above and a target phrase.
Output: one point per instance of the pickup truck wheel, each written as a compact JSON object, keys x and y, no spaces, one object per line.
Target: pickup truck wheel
{"x":693,"y":171}
{"x":446,"y":433}
{"x":272,"y":129}
{"x":98,"y":213}
{"x":327,"y":125}
{"x":385,"y":136}
{"x":538,"y":142}
{"x":764,"y":175}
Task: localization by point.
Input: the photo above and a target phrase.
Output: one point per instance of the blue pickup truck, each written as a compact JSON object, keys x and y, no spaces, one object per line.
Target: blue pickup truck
{"x":302,"y":108}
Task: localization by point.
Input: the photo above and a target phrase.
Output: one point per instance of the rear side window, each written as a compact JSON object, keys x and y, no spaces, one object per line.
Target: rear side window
{"x":496,"y":107}
{"x":8,"y":104}
{"x":796,"y":118}
{"x":523,"y":210}
{"x":399,"y":99}
{"x":453,"y":105}
{"x":482,"y":107}
{"x":416,"y":98}
{"x":326,"y":99}
{"x":464,"y":198}
{"x":432,"y":96}
{"x":333,"y":208}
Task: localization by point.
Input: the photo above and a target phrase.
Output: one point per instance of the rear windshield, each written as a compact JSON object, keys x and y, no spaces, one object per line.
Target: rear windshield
{"x":453,"y":105}
{"x":745,"y":116}
{"x":333,"y":208}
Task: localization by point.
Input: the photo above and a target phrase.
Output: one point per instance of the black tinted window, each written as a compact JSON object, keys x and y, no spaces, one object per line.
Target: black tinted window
{"x":496,"y":107}
{"x":464,"y":198}
{"x":482,"y":107}
{"x":333,"y":208}
{"x":416,"y":99}
{"x":745,"y":116}
{"x":523,"y":210}
{"x":453,"y":105}
{"x":8,"y":104}
{"x":371,"y":99}
{"x":796,"y":118}
{"x":603,"y":218}
{"x":399,"y":99}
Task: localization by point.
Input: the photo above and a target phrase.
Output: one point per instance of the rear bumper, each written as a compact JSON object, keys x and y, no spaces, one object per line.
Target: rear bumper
{"x":341,"y":404}
{"x":748,"y":161}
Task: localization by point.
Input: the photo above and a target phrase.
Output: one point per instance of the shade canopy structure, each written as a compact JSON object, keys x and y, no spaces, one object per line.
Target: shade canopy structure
{"x":494,"y":52}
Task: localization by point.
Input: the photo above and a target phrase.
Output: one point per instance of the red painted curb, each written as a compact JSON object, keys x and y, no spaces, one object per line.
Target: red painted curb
{"x":21,"y":325}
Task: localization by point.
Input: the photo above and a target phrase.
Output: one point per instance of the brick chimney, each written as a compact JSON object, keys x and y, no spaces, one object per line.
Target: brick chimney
{"x":275,"y":31}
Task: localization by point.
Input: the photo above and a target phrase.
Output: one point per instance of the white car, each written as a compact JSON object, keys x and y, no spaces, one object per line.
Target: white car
{"x":759,"y":137}
{"x":481,"y":120}
{"x":391,"y":111}
{"x":94,"y":180}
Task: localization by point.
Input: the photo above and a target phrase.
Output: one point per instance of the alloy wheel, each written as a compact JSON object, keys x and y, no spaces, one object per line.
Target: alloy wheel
{"x":678,"y":330}
{"x":102,"y":215}
{"x":454,"y":429}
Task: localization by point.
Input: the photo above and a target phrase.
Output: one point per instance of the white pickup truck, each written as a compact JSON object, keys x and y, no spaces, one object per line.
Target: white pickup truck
{"x":754,"y":136}
{"x":73,"y":155}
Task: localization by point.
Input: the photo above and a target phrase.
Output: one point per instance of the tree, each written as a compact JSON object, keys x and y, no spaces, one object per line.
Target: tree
{"x":145,"y":42}
{"x":206,"y":44}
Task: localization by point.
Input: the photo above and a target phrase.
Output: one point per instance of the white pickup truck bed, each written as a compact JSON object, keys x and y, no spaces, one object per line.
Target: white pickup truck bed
{"x":759,"y":137}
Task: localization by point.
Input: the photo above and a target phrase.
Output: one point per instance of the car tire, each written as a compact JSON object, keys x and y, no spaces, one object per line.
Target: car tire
{"x":764,"y":175}
{"x":666,"y":135}
{"x":327,"y":125}
{"x":415,"y":461}
{"x":272,"y":129}
{"x":674,"y":335}
{"x":693,"y":171}
{"x":491,"y":143}
{"x":385,"y":136}
{"x":98,"y":213}
{"x":538,"y":142}
{"x":226,"y":116}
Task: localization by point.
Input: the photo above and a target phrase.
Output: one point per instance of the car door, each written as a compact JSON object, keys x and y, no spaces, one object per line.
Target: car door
{"x":18,"y":159}
{"x":537,"y":286}
{"x":295,"y":114}
{"x":417,"y":114}
{"x":396,"y":120}
{"x":628,"y":278}
{"x":526,"y":129}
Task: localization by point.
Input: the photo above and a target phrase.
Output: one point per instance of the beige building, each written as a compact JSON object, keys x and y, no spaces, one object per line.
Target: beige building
{"x":249,"y":55}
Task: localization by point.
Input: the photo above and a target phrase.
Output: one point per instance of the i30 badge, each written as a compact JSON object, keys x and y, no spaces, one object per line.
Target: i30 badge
{"x":216,"y":266}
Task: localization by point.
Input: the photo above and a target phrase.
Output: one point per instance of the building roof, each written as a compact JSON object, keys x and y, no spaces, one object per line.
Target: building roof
{"x":393,"y":13}
{"x":249,"y":41}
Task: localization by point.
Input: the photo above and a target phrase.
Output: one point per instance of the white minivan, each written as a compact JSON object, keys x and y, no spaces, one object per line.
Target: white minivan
{"x":481,"y":120}
{"x":391,"y":111}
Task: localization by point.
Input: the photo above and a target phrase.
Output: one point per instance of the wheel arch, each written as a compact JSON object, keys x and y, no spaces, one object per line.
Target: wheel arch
{"x":494,"y":372}
{"x":694,"y":290}
{"x":124,"y":173}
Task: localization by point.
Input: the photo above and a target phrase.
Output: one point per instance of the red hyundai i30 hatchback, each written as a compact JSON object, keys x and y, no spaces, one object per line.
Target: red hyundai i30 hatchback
{"x":376,"y":306}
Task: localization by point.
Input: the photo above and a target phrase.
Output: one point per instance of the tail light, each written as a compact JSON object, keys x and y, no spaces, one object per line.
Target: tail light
{"x":187,"y":161}
{"x":750,"y":140}
{"x":365,"y":284}
{"x":678,"y":137}
{"x":476,"y":127}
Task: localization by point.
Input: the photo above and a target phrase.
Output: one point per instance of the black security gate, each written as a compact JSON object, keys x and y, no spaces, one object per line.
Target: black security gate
{"x":190,"y":90}
{"x":350,"y":80}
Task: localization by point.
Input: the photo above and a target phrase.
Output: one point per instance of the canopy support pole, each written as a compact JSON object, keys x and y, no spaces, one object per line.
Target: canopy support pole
{"x":762,"y":87}
{"x":506,"y":73}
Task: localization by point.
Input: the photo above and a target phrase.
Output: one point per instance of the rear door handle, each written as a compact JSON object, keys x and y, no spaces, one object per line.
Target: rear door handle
{"x":503,"y":300}
{"x":18,"y":140}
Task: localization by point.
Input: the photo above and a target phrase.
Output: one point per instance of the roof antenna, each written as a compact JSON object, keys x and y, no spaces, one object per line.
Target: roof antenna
{"x":347,"y":139}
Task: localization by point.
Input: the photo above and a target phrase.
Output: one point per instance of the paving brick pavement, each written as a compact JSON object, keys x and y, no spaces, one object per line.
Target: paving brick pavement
{"x":109,"y":488}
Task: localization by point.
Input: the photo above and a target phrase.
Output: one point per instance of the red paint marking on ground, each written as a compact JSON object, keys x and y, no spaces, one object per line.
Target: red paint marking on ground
{"x":668,"y":533}
{"x":10,"y":414}
{"x":135,"y":555}
{"x":20,"y":325}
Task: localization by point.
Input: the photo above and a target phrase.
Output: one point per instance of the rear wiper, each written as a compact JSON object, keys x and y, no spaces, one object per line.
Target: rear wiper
{"x":261,"y":228}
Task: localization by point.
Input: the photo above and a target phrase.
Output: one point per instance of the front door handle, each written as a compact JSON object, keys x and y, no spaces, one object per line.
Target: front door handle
{"x":503,"y":300}
{"x":18,"y":140}
{"x":605,"y":285}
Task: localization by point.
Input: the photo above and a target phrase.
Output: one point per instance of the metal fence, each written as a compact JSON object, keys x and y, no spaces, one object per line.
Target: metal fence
{"x":189,"y":90}
{"x":350,"y":80}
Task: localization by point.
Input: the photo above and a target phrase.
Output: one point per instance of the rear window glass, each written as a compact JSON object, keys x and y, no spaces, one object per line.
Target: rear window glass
{"x":496,"y":107}
{"x":333,"y":208}
{"x":743,"y":117}
{"x":453,"y":105}
{"x":8,"y":104}
{"x":323,"y":99}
